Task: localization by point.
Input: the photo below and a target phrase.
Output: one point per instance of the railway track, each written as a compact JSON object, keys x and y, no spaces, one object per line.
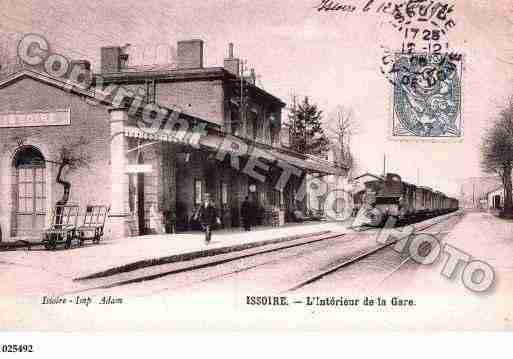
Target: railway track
{"x":133,"y":277}
{"x":403,"y":263}
{"x":346,"y":263}
{"x":245,"y":261}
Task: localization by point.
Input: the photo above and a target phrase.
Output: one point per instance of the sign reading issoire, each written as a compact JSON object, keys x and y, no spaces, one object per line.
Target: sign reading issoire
{"x":33,"y":119}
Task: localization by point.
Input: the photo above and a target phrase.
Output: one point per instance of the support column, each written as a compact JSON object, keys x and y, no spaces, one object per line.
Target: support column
{"x":235,"y":197}
{"x":119,"y":211}
{"x":167,"y":190}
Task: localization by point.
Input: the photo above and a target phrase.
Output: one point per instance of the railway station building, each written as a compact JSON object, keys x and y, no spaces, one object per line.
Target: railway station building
{"x":224,"y":141}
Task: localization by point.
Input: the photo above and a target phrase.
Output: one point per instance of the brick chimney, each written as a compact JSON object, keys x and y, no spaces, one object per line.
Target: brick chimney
{"x":110,"y":59}
{"x":190,"y":54}
{"x":231,"y":64}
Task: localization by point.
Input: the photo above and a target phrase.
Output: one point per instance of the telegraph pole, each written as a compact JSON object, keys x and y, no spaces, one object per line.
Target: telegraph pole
{"x":242,"y":107}
{"x":294,"y":124}
{"x":241,"y":83}
{"x":306,"y":136}
{"x":242,"y":94}
{"x":474,"y":193}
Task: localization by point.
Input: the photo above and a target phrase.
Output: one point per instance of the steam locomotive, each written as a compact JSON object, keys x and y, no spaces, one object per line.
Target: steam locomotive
{"x":389,"y":196}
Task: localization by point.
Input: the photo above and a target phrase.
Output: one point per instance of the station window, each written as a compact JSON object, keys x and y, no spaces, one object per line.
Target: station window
{"x":28,"y":192}
{"x":224,"y":193}
{"x":252,"y":125}
{"x":256,"y":128}
{"x":198,"y":192}
{"x":30,"y":181}
{"x":131,"y":193}
{"x":274,"y":198}
{"x":273,"y":137}
{"x":261,"y":197}
{"x":151,"y":91}
{"x":235,"y":120}
{"x":260,"y":132}
{"x":31,"y":190}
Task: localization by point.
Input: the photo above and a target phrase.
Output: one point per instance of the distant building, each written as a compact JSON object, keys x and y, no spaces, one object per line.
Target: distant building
{"x":475,"y":188}
{"x":495,"y":198}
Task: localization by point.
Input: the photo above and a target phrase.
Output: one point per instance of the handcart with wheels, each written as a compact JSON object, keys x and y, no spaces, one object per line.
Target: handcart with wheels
{"x":93,"y":225}
{"x":63,"y":227}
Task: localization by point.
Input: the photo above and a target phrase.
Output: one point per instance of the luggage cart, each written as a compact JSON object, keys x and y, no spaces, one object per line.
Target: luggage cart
{"x":94,"y":223}
{"x":63,"y":227}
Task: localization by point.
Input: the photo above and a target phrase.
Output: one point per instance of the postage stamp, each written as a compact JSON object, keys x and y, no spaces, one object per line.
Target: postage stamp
{"x":427,"y":96}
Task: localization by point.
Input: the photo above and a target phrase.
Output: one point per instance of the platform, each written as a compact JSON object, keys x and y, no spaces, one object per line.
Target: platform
{"x":57,"y":267}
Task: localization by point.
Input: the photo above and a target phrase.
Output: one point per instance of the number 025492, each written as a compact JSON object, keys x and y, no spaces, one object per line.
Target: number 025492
{"x":16,"y":348}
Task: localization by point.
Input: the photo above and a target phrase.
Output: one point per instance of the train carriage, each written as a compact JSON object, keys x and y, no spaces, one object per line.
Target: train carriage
{"x":389,"y":196}
{"x":438,"y":202}
{"x":418,"y":205}
{"x":425,"y":197}
{"x":429,"y":199}
{"x":433,"y":200}
{"x":444,"y":204}
{"x":411,"y":199}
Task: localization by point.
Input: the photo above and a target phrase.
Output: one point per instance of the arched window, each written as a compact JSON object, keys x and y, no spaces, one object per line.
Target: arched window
{"x":29,"y":191}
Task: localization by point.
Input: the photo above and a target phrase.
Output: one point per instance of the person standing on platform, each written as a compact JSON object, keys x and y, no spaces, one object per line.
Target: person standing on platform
{"x":208,"y":217}
{"x":246,"y":212}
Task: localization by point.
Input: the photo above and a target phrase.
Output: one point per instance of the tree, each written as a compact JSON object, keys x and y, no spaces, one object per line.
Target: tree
{"x":306,"y":133}
{"x":497,"y":152}
{"x":342,"y":126}
{"x":73,"y":155}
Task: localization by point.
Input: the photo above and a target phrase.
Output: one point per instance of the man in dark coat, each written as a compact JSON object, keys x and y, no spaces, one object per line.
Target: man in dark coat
{"x":246,"y":212}
{"x":208,"y":217}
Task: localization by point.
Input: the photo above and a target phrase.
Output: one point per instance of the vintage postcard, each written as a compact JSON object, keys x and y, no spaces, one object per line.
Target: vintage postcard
{"x":255,"y":165}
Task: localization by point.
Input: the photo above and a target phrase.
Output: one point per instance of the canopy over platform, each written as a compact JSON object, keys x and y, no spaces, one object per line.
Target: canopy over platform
{"x":236,"y":146}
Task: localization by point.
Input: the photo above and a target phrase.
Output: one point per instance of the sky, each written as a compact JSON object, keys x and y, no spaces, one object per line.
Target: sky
{"x":334,"y":58}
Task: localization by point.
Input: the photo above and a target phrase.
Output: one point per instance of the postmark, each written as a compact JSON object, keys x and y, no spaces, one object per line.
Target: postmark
{"x":416,"y":35}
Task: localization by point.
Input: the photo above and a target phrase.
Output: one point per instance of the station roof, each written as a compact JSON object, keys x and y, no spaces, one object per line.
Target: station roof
{"x":239,"y":146}
{"x":63,"y":84}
